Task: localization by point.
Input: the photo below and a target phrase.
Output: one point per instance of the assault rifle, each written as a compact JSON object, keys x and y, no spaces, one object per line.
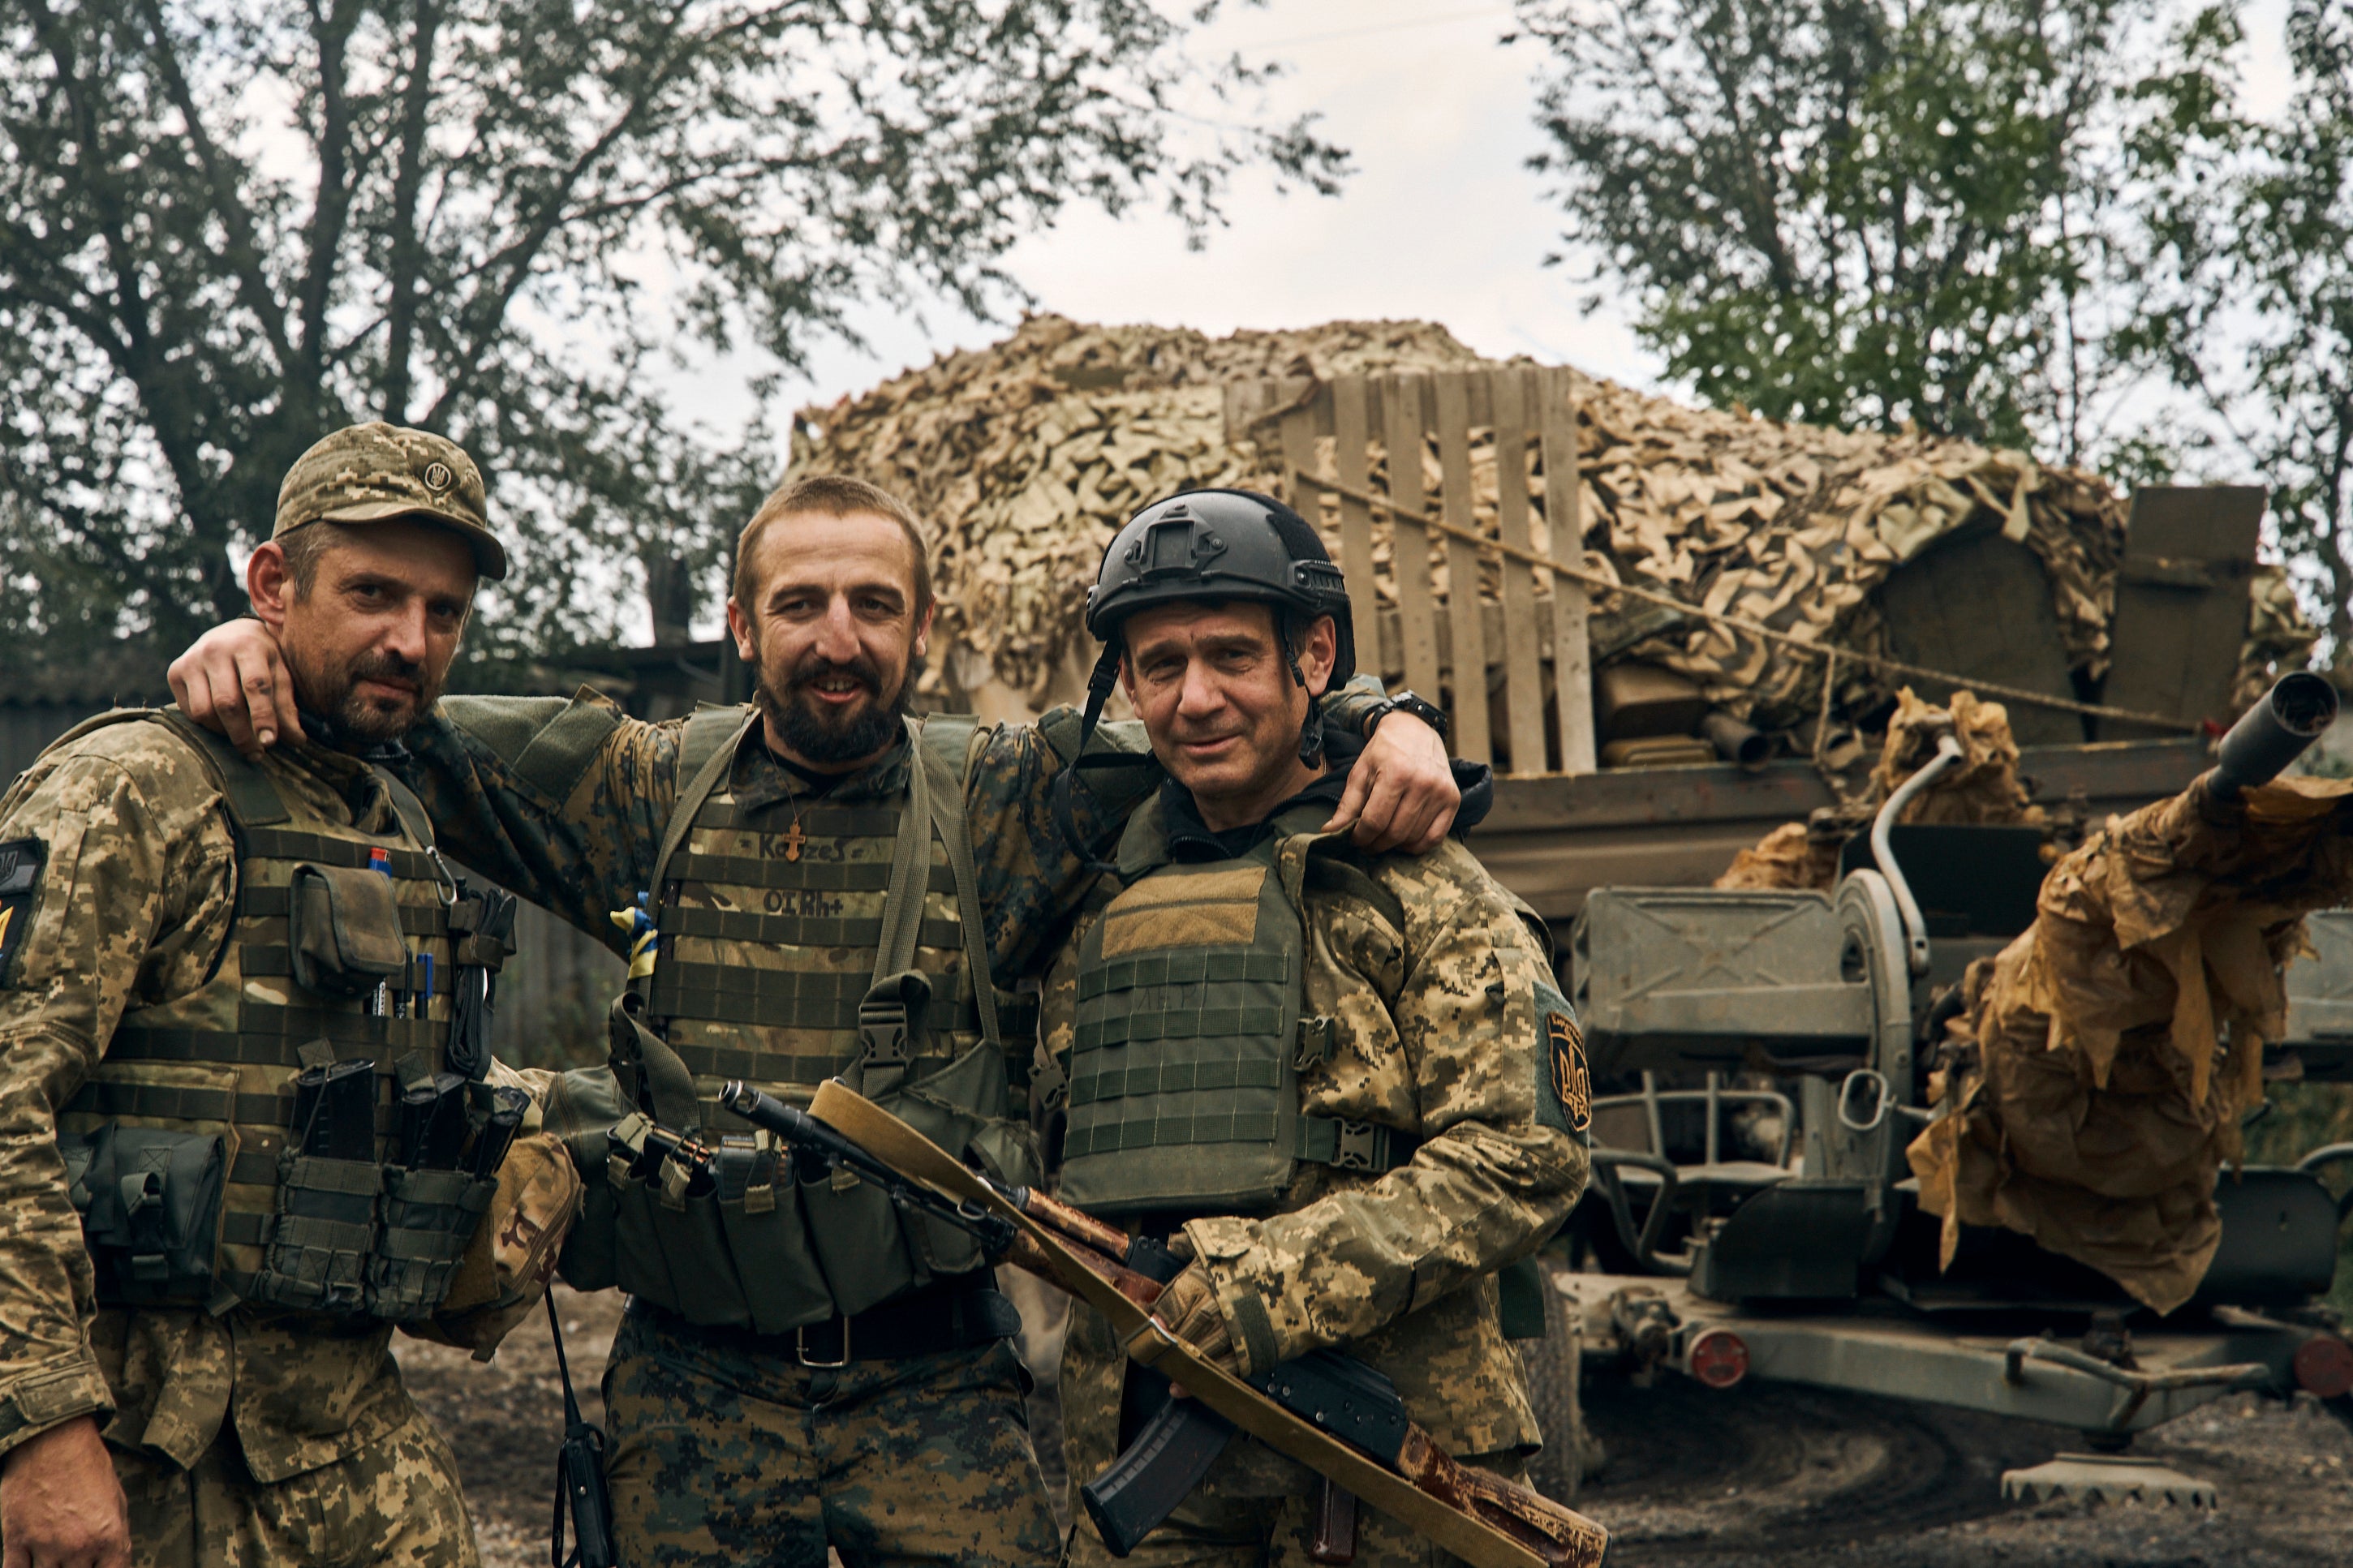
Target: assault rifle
{"x":1330,"y":1412}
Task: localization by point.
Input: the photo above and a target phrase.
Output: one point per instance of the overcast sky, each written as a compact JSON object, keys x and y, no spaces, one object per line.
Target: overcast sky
{"x":1442,"y":220}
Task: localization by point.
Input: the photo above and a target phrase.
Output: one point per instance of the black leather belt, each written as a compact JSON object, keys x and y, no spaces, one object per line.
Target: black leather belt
{"x":951,"y":1315}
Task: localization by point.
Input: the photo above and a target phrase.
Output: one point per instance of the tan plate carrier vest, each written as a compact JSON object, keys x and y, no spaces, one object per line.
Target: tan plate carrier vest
{"x":201,"y":1088}
{"x":799,"y":941}
{"x":1184,"y":1088}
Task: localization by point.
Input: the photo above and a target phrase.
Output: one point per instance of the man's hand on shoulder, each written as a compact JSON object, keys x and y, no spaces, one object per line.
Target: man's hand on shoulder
{"x":1401,"y":794}
{"x":60,"y":1506}
{"x":234,"y":679}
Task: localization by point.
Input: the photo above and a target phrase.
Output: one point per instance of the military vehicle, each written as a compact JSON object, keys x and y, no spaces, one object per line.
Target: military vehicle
{"x":1752,"y":1217}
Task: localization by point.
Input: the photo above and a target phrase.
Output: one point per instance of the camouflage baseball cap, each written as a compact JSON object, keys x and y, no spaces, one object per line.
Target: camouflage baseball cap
{"x":374,"y":472}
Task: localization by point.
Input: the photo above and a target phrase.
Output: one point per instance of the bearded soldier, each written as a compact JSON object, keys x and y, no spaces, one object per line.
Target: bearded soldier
{"x":815,"y":886}
{"x":1341,"y":1082}
{"x":221,"y":982}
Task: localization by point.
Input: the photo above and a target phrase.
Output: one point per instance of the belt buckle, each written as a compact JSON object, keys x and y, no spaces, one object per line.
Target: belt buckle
{"x":800,"y":1348}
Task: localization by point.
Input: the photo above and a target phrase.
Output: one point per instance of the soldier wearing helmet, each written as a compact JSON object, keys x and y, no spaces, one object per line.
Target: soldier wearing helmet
{"x":826,"y":885}
{"x":1342,"y":1083}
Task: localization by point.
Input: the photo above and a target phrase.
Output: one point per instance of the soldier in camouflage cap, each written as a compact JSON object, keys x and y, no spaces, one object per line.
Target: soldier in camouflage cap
{"x":798,"y":1370}
{"x":379,"y":473}
{"x":1342,"y":1083}
{"x":194,"y":1353}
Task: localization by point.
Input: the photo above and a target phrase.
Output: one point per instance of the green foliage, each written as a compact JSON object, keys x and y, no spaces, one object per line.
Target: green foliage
{"x":1857,"y":212}
{"x":2252,"y":225}
{"x":227,"y":226}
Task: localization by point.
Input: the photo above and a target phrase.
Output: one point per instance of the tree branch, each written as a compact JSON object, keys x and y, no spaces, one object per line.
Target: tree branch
{"x":406,"y":260}
{"x":485,"y":312}
{"x":330,"y":211}
{"x":244,"y":256}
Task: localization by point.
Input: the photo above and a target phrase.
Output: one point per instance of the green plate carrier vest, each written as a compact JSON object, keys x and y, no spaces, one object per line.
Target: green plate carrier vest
{"x":179,"y":1144}
{"x":799,"y":941}
{"x":1184,"y":1092}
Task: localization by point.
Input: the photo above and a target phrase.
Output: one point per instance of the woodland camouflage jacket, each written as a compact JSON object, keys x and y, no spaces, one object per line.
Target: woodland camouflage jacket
{"x":563,"y":802}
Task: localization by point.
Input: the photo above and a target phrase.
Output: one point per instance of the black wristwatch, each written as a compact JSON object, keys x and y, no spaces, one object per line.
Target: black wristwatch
{"x":1405,"y":702}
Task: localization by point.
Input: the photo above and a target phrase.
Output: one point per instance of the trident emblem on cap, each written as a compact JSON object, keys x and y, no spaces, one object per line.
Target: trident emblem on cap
{"x":438,"y":476}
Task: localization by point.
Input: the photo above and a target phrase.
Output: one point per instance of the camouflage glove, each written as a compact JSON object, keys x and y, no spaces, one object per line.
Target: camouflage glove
{"x":1189,"y":1309}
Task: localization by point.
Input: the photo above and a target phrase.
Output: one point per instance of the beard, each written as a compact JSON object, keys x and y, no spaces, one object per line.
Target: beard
{"x":827,"y":737}
{"x":371,"y":719}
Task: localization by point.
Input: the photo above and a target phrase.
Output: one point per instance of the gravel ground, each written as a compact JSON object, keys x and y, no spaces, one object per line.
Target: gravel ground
{"x":506,"y":1418}
{"x":1773,"y":1478}
{"x":1788,"y":1478}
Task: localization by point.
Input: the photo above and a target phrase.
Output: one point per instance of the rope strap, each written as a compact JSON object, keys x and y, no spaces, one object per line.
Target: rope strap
{"x":1741,"y":623}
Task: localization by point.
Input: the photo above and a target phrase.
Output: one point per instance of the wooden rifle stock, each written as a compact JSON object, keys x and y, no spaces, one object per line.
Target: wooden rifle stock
{"x":1561,"y":1536}
{"x":1533,"y":1525}
{"x":1028,"y":1256}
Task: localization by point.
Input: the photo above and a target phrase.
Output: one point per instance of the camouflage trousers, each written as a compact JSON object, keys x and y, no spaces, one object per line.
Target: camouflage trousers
{"x":1255,"y":1508}
{"x":395,"y":1503}
{"x":725,"y":1456}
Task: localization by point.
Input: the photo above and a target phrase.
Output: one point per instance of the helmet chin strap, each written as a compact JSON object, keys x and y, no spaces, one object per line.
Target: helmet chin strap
{"x":1099,"y":684}
{"x":1311,"y":733}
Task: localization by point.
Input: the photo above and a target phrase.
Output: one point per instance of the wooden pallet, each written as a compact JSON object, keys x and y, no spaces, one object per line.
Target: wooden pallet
{"x":1538,"y":628}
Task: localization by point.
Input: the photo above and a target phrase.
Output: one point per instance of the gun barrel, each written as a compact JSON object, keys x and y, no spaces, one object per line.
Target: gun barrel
{"x":2293,"y":714}
{"x":787,"y":1121}
{"x":1735,"y":742}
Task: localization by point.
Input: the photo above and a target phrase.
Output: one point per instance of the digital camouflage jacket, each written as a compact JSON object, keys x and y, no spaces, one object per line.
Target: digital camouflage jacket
{"x":1441,"y":997}
{"x":131,"y":909}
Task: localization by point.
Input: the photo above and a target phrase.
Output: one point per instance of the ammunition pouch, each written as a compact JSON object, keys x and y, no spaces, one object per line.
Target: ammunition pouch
{"x":321,"y":1237}
{"x":342,"y":935}
{"x":429,"y":1219}
{"x":150,"y":1201}
{"x":730,"y":1250}
{"x":757,"y":1243}
{"x":353,"y":1238}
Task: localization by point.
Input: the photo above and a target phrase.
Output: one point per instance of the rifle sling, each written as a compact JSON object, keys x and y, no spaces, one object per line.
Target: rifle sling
{"x":902,"y":1147}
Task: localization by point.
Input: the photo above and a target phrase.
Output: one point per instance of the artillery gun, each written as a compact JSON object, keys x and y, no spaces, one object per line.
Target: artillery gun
{"x":1752,"y":1215}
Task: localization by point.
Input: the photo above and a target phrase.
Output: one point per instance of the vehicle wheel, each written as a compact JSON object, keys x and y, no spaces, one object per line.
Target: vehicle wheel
{"x":1763,"y":1469}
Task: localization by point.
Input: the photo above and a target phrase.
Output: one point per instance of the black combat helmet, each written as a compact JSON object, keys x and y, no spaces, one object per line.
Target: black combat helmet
{"x":1214,"y":544}
{"x":1218,"y":544}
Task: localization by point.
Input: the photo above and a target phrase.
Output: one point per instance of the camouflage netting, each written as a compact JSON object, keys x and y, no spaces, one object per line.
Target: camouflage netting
{"x":1025,"y":458}
{"x":1983,"y":787}
{"x":2092,"y":1086}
